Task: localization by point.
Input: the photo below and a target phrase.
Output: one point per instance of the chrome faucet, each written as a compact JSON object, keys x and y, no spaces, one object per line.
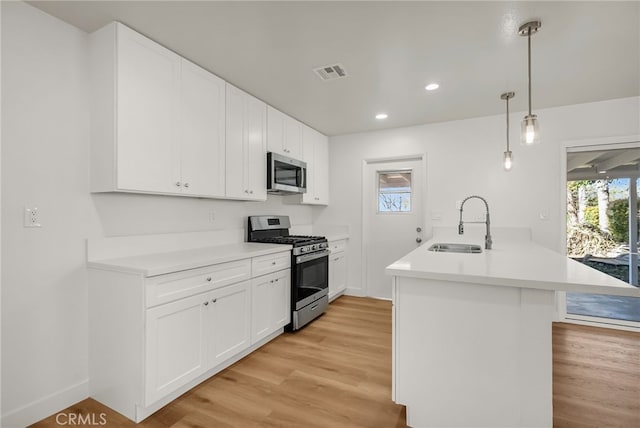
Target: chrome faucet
{"x":487,"y":222}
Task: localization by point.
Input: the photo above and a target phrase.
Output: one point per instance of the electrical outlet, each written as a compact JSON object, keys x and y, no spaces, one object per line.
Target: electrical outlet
{"x":212,"y":216}
{"x":31,"y":217}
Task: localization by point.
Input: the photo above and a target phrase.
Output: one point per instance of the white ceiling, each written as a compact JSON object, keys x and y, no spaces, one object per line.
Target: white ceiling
{"x":584,"y":52}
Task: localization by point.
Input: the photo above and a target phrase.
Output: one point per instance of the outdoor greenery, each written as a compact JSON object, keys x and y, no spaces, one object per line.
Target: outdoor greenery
{"x":597,"y":218}
{"x":619,"y":219}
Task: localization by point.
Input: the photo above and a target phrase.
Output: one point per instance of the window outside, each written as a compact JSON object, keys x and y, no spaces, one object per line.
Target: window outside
{"x":598,"y":236}
{"x":394,"y":191}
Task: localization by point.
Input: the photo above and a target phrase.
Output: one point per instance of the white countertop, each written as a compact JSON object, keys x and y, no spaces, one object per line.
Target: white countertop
{"x":174,"y":261}
{"x":510,"y":264}
{"x":336,"y":236}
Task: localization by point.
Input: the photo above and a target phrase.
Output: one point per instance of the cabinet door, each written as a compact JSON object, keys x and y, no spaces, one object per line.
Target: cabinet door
{"x":308,"y":155}
{"x":315,"y":151}
{"x":261,"y":291}
{"x":321,"y":170}
{"x":229,"y":319}
{"x":246,"y":174}
{"x":235,"y":185}
{"x":202,"y":132}
{"x":147,"y":102}
{"x":275,"y":131}
{"x":292,"y":143}
{"x":337,"y":273}
{"x":281,"y":306}
{"x":270,"y":303}
{"x":256,"y":148}
{"x":174,"y":348}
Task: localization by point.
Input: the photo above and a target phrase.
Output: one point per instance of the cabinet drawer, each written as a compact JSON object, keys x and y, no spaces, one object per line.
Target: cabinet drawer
{"x":270,"y":263}
{"x":337,"y":246}
{"x":166,"y":288}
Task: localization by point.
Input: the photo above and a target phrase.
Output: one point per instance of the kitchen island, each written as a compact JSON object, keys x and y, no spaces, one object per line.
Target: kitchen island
{"x":472,"y":332}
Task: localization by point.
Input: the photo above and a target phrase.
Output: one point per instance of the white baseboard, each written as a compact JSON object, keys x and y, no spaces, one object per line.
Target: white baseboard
{"x":46,"y":406}
{"x":357,"y":292}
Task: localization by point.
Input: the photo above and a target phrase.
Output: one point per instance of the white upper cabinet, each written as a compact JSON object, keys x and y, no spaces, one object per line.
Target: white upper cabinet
{"x":284,"y":134}
{"x":202,"y":132}
{"x":315,"y":151}
{"x":246,"y":148}
{"x":157,"y":121}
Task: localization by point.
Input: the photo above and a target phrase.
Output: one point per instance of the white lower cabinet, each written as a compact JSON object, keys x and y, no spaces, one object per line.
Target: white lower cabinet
{"x":190,"y":336}
{"x":152,"y":338}
{"x":337,"y":268}
{"x":174,"y":345}
{"x":229,"y":322}
{"x":270,"y":295}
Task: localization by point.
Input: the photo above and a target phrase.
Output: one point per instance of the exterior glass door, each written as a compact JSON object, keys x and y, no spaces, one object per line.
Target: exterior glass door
{"x":602,"y":229}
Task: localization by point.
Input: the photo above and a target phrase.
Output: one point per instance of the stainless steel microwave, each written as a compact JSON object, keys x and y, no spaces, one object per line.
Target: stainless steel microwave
{"x":285,"y":175}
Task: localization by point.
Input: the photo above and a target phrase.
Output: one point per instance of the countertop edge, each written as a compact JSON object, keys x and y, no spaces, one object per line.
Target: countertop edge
{"x":516,"y":282}
{"x":120,"y":265}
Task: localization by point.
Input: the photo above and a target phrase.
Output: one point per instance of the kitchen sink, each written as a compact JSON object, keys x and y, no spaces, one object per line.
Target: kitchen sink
{"x":456,"y":248}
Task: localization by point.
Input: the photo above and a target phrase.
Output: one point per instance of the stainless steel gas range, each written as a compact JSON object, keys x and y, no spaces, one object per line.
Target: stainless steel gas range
{"x":309,"y":266}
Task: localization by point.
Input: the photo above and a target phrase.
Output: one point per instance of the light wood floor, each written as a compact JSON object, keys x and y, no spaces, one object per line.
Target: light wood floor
{"x":596,"y":377}
{"x":336,"y":373}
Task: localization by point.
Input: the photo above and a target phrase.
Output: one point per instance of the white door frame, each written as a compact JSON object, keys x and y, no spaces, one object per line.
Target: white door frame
{"x":422,"y":157}
{"x":620,"y":142}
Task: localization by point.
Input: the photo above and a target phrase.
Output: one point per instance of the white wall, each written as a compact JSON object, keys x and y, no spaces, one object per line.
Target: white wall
{"x":45,"y":156}
{"x":465,"y":158}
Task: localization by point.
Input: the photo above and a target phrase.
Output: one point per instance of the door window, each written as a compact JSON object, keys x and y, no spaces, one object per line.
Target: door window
{"x":394,"y":191}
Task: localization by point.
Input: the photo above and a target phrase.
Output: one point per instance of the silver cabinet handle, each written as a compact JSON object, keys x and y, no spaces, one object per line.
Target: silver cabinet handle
{"x":418,"y":229}
{"x":251,"y":191}
{"x":178,"y":184}
{"x":273,"y":263}
{"x":418,"y":240}
{"x":209,"y":278}
{"x":246,"y":191}
{"x":206,"y":303}
{"x":214,"y":300}
{"x":271,"y":281}
{"x":186,"y":184}
{"x":277,"y":279}
{"x":336,"y":259}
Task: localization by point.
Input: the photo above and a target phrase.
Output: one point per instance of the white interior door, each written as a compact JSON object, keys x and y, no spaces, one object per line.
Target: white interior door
{"x":393,"y":217}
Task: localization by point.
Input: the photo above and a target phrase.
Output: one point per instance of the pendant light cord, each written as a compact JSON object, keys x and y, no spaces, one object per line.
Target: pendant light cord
{"x":529,"y":59}
{"x":507,"y":123}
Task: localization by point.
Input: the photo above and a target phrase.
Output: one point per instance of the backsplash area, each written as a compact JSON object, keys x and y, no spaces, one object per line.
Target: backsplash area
{"x":122,"y":214}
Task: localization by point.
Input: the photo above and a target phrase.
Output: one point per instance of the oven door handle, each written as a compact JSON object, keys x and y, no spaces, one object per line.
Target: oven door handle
{"x":308,"y":257}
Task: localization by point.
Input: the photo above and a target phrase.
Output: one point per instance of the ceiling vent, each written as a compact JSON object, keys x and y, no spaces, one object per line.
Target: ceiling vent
{"x":331,"y":72}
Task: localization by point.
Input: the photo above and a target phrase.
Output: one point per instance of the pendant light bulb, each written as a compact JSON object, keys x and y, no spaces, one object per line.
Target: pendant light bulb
{"x":529,"y":132}
{"x":508,"y":160}
{"x":508,"y":156}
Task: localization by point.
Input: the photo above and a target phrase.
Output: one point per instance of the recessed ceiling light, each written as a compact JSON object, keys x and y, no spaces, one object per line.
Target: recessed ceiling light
{"x":432,"y":86}
{"x":381,"y":116}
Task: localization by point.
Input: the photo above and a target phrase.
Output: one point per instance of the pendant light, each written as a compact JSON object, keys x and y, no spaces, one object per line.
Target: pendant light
{"x":530,"y":133}
{"x":508,"y":156}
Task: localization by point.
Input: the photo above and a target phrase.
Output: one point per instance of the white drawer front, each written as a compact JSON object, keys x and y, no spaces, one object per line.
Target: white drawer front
{"x":167,"y":288}
{"x":270,"y":263}
{"x":337,"y":246}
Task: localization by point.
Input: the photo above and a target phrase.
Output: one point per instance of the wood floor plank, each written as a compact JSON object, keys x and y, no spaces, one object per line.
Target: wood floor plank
{"x":336,"y":373}
{"x":596,"y":377}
